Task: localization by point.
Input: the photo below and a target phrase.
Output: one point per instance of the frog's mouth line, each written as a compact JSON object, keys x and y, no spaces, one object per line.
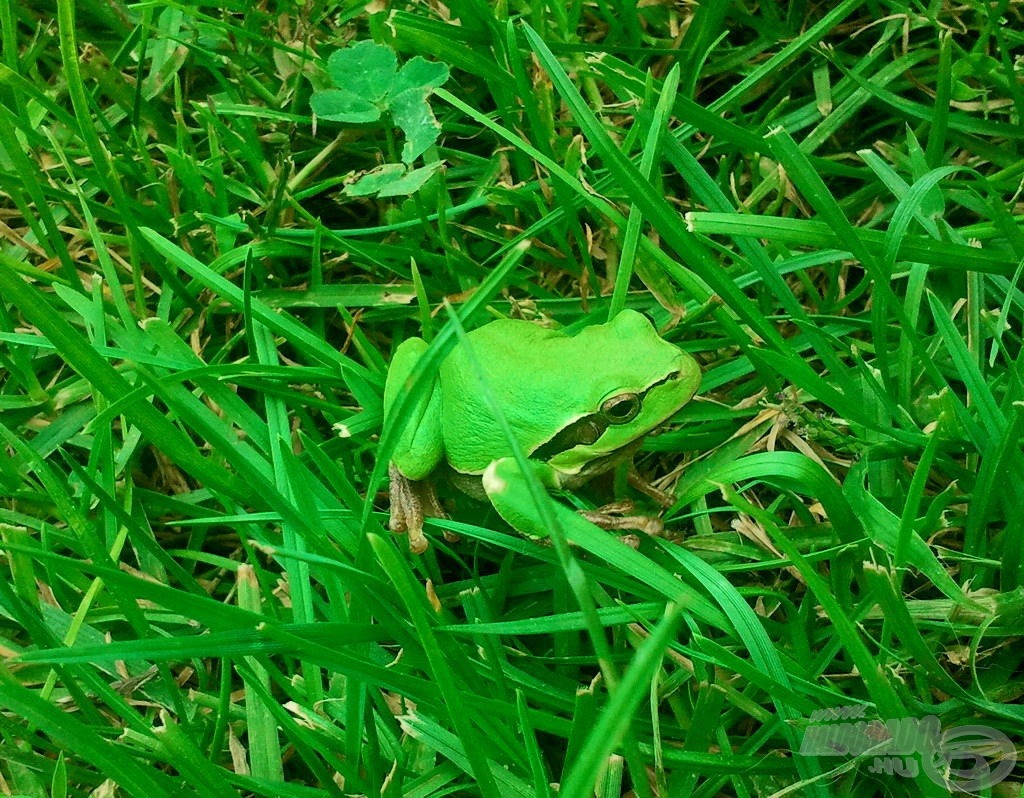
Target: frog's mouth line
{"x":589,"y":430}
{"x":606,"y":462}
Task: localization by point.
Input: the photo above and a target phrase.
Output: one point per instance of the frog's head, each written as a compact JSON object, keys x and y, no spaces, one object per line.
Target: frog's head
{"x":634,"y":381}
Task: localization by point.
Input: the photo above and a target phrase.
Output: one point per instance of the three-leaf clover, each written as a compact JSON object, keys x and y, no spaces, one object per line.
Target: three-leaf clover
{"x":369,"y":83}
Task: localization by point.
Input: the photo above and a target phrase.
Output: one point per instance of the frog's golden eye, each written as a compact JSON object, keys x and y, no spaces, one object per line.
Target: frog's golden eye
{"x":622,"y":408}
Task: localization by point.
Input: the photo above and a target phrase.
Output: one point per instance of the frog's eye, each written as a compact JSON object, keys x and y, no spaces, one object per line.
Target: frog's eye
{"x":622,"y":408}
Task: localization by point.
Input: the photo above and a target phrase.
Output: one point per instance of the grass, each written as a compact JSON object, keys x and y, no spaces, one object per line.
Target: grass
{"x":198,"y":594}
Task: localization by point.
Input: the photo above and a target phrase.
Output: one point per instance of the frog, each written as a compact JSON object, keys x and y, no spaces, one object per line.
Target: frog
{"x":577,"y":405}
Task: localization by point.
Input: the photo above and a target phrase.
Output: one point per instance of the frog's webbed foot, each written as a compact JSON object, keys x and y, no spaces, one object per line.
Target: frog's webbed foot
{"x":411,"y":502}
{"x":613,"y":517}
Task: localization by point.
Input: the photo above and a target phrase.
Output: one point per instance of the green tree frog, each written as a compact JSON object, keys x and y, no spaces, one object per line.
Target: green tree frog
{"x":577,"y":406}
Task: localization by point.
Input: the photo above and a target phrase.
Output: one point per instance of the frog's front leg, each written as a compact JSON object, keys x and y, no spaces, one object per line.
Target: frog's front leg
{"x":509,"y":492}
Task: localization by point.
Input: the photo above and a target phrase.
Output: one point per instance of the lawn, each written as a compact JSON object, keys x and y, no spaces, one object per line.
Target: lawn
{"x":218,"y":224}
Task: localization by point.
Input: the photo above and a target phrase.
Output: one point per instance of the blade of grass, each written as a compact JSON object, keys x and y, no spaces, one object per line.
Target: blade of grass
{"x":634,"y":222}
{"x":822,"y":234}
{"x":979,"y":394}
{"x":265,"y":754}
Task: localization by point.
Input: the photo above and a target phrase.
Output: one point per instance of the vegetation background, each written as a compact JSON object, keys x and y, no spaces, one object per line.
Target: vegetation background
{"x":202,"y":285}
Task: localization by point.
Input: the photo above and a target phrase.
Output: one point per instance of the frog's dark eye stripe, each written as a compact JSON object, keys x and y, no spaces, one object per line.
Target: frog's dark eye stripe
{"x":583,"y":432}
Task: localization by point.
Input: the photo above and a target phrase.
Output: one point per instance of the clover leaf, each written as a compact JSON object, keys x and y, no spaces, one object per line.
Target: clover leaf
{"x":368,"y":84}
{"x":392,"y":180}
{"x":366,"y":69}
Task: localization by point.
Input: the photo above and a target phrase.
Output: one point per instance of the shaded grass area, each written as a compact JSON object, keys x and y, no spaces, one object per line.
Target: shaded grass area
{"x":198,"y":592}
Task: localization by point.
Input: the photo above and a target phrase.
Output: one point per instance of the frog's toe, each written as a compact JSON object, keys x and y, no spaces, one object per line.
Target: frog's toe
{"x":403,"y":523}
{"x":418,"y":542}
{"x":397,"y":522}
